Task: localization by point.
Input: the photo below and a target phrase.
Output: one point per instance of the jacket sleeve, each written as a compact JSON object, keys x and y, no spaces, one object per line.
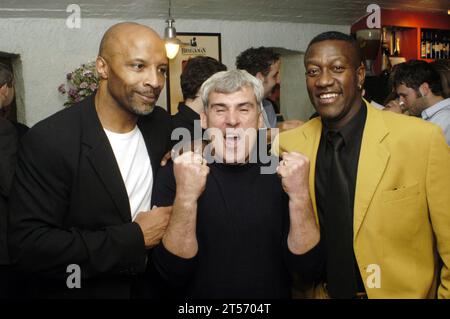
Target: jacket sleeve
{"x":8,"y":150}
{"x":175,"y":271}
{"x":438,"y":186}
{"x":38,"y":239}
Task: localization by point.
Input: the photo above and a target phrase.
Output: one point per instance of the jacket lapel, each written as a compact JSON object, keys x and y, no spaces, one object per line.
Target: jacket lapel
{"x":373,"y":160}
{"x":102,"y":158}
{"x":312,"y":137}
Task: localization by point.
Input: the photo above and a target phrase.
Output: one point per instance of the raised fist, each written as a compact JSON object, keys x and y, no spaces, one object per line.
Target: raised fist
{"x":294,"y":173}
{"x":190,"y":172}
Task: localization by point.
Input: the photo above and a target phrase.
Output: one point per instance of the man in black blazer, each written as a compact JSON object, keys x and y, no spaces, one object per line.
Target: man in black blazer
{"x":8,"y":150}
{"x":74,"y":214}
{"x":7,"y":93}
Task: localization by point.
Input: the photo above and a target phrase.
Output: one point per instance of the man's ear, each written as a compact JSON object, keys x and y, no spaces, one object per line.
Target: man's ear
{"x":203,"y":120}
{"x":102,"y":67}
{"x":424,"y":89}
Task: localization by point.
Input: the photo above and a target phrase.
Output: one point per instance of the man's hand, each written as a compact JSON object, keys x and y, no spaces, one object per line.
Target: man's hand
{"x":395,"y":106}
{"x":153,"y":224}
{"x":190,"y":172}
{"x":294,"y":173}
{"x":165,"y":158}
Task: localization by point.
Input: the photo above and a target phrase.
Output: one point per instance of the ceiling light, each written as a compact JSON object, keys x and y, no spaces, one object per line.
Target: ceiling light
{"x":170,"y":37}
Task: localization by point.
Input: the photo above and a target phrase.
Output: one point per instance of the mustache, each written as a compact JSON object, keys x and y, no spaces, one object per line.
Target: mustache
{"x":154,"y":92}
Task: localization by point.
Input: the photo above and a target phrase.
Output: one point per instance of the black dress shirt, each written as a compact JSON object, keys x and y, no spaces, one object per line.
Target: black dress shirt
{"x":352,"y":133}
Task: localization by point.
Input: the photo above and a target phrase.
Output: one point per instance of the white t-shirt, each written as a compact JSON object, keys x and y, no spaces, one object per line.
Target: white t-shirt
{"x":135,"y":167}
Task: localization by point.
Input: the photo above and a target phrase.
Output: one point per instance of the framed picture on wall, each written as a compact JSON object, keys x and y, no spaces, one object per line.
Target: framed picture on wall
{"x":195,"y":44}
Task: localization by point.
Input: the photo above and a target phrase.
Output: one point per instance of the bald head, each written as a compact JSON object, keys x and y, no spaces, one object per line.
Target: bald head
{"x":123,"y":34}
{"x":131,"y":64}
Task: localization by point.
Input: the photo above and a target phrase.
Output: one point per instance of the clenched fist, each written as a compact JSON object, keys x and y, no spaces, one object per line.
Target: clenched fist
{"x":190,"y":172}
{"x":294,"y":173}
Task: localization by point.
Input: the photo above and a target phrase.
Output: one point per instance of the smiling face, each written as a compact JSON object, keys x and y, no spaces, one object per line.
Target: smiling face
{"x":333,"y":78}
{"x":232,"y":120}
{"x":134,"y":65}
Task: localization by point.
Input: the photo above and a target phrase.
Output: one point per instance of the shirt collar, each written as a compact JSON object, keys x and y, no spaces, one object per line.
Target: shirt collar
{"x":432,"y":110}
{"x":355,"y":125}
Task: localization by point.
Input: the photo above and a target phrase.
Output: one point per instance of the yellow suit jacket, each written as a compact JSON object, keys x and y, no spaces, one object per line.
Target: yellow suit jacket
{"x":402,"y":203}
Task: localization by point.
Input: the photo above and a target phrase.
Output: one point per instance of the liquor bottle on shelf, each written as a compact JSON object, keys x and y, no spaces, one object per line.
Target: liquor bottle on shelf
{"x":397,"y":45}
{"x":445,"y":47}
{"x":391,"y":42}
{"x":428,"y":44}
{"x":440,"y":46}
{"x":433,"y":53}
{"x":437,"y":53}
{"x":423,"y":46}
{"x":385,"y":63}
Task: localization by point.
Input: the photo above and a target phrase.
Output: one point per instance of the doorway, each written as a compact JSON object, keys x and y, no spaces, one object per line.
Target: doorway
{"x":294,"y":99}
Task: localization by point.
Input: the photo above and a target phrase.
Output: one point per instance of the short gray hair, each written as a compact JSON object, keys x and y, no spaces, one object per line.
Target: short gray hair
{"x":230,"y":82}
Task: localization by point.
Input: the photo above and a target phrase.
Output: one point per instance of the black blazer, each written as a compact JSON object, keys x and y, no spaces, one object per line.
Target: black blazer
{"x":8,"y":150}
{"x":69,"y":205}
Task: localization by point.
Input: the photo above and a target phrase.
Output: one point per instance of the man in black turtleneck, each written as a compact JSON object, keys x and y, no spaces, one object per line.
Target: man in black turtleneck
{"x":235,"y":232}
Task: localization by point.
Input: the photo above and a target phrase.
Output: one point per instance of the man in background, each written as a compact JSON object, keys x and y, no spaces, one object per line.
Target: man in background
{"x":7,"y":93}
{"x":419,"y":88}
{"x":196,"y":71}
{"x":264,"y":64}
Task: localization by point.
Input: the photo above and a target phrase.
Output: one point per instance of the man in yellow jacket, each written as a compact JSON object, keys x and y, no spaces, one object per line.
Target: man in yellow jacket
{"x":379,"y":181}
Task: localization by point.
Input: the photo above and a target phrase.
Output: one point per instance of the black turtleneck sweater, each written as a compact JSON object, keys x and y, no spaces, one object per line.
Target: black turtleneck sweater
{"x":242,"y":228}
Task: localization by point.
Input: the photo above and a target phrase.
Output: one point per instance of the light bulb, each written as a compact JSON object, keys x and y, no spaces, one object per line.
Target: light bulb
{"x":172,"y":49}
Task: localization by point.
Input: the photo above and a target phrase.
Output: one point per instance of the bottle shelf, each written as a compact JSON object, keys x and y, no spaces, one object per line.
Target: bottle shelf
{"x":408,"y":28}
{"x":434,"y":44}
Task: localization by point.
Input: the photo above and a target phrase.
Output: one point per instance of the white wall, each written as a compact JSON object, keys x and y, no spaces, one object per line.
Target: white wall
{"x":294,"y":99}
{"x":48,"y":50}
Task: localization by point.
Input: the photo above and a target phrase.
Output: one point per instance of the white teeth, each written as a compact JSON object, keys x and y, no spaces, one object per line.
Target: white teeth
{"x":328,"y":95}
